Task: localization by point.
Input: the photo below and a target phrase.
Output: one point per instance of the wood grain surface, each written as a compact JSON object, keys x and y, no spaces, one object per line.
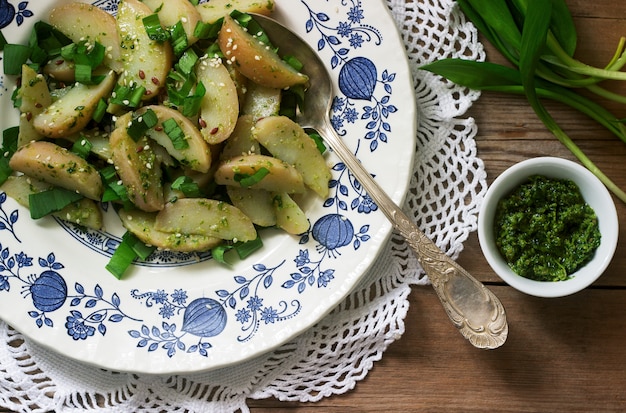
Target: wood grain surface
{"x":565,"y":354}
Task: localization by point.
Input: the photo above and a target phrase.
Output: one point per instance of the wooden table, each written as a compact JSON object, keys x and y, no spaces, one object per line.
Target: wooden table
{"x":564,"y":354}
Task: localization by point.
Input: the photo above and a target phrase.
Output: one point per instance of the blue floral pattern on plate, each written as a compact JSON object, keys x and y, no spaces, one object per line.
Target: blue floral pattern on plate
{"x":173,"y":319}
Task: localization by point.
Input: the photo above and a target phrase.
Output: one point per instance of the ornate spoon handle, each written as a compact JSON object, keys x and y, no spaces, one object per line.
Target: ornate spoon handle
{"x":474,"y":309}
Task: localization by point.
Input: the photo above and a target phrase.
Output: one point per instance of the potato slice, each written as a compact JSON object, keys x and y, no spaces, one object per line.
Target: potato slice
{"x":58,"y":166}
{"x":146,"y":62}
{"x":254,"y":60}
{"x":205,"y":217}
{"x":197,"y":155}
{"x":281,"y":176}
{"x":172,"y":11}
{"x":286,"y":140}
{"x":214,"y":10}
{"x":61,"y":71}
{"x":219,"y":109}
{"x":74,"y":110}
{"x":241,"y":141}
{"x":289,"y":215}
{"x":35,"y":97}
{"x":84,"y":212}
{"x":141,"y":224}
{"x":255,"y":203}
{"x":82,"y":21}
{"x":138,"y":167}
{"x":261,"y":101}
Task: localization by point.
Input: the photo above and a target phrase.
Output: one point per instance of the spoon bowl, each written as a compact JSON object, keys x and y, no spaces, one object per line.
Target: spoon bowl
{"x":473,"y":309}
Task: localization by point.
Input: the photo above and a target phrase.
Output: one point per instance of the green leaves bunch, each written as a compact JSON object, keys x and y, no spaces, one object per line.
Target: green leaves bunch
{"x":539,"y":38}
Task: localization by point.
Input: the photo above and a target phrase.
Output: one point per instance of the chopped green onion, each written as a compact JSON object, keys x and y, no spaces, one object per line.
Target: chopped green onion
{"x":243,"y":249}
{"x":86,"y":58}
{"x":121,"y":259}
{"x":180,"y":86}
{"x":191,"y":104}
{"x":207,"y":31}
{"x":187,"y":61}
{"x":319,"y":142}
{"x":15,"y":55}
{"x":16,"y":98}
{"x":127,"y":96}
{"x":141,"y":124}
{"x":114,"y":190}
{"x":48,"y":39}
{"x":100,"y":111}
{"x":214,"y":51}
{"x":253,"y":28}
{"x":178,"y":39}
{"x":293,"y":62}
{"x":128,"y":250}
{"x":155,"y":31}
{"x":52,"y":200}
{"x":9,"y":146}
{"x":187,"y":186}
{"x":175,"y":133}
{"x":82,"y":73}
{"x":142,"y":250}
{"x":219,"y":253}
{"x":82,"y":147}
{"x":247,"y":180}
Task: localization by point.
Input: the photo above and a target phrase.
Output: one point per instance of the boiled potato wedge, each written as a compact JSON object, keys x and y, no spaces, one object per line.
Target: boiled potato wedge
{"x":141,"y":224}
{"x":289,"y":215}
{"x":61,"y":71}
{"x":34,"y":93}
{"x":281,"y":177}
{"x":219,"y":108}
{"x":254,"y":60}
{"x":205,"y":217}
{"x":172,"y":11}
{"x":286,"y":140}
{"x":84,"y":212}
{"x":82,"y":21}
{"x":214,"y":10}
{"x":197,"y":154}
{"x":74,"y":110}
{"x":241,"y":141}
{"x":138,"y":167}
{"x":145,"y":62}
{"x":35,"y":97}
{"x":261,"y":101}
{"x":58,"y":166}
{"x":255,"y":203}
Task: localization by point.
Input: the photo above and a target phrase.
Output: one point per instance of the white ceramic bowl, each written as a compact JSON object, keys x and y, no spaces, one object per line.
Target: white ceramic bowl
{"x":596,"y":195}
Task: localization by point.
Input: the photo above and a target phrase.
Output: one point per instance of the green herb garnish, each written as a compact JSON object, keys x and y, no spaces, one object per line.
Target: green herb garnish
{"x":52,"y":200}
{"x":539,"y":38}
{"x":246,"y":180}
{"x":129,"y":249}
{"x":153,"y":27}
{"x":175,"y":133}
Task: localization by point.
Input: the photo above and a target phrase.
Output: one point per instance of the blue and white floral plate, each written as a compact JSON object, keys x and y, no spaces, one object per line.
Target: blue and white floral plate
{"x":186,"y":312}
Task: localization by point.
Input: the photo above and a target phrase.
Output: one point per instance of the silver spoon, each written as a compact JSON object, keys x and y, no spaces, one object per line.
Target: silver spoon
{"x":474,"y":309}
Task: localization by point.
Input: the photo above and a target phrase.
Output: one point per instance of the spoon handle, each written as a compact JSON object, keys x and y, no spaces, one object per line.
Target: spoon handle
{"x":473,"y":308}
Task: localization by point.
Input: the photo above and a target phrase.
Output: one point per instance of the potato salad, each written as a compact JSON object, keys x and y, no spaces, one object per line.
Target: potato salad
{"x":180,"y":115}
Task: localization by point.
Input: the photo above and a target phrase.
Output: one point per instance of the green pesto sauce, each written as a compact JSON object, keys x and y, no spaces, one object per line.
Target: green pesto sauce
{"x":545,"y":230}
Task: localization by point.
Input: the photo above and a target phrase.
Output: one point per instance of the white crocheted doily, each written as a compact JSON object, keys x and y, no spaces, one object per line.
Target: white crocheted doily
{"x":448,"y":184}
